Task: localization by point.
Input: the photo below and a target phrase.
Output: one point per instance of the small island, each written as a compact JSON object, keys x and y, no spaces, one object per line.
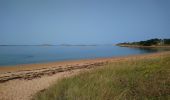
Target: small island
{"x":77,"y":45}
{"x":147,"y":43}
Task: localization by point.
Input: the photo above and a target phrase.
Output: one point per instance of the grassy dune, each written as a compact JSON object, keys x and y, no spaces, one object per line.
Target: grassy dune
{"x":132,"y":80}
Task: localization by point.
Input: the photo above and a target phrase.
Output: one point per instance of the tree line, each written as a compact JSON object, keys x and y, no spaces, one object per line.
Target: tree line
{"x":150,"y":42}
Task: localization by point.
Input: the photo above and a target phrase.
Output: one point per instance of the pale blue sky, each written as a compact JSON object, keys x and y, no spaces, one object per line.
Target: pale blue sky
{"x":83,"y":21}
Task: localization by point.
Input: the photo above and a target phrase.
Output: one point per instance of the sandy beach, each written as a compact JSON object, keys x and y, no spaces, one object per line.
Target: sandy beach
{"x":21,"y":82}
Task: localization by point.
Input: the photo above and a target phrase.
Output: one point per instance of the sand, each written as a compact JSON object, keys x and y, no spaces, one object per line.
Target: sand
{"x":21,"y":82}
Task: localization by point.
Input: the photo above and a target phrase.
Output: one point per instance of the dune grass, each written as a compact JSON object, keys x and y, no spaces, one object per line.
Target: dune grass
{"x":131,"y":80}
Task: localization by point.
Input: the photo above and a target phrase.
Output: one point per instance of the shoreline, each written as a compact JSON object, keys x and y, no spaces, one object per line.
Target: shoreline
{"x":31,"y":71}
{"x":42,"y":65}
{"x":138,"y":46}
{"x":15,"y":85}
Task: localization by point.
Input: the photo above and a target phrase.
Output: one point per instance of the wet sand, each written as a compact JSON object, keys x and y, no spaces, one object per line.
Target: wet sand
{"x":21,"y":82}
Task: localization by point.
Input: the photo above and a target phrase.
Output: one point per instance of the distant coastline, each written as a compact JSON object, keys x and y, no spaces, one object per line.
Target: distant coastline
{"x":151,"y":43}
{"x":138,"y":46}
{"x":54,"y":45}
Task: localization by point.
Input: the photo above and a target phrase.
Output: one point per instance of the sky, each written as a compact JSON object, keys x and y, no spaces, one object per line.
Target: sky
{"x":83,"y":21}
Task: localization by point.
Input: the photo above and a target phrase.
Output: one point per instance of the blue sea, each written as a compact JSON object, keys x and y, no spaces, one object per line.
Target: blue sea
{"x":14,"y":55}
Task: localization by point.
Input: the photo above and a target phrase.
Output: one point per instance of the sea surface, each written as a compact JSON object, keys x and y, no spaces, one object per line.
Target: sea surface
{"x":14,"y":55}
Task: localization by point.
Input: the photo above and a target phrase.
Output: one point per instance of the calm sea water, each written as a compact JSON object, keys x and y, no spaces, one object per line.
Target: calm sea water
{"x":13,"y":55}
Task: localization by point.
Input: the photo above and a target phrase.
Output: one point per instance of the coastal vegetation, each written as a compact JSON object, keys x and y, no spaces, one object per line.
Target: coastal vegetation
{"x":139,"y":79}
{"x":150,"y":42}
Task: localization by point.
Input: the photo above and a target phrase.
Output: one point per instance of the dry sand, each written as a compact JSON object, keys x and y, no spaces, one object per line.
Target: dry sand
{"x":23,"y":81}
